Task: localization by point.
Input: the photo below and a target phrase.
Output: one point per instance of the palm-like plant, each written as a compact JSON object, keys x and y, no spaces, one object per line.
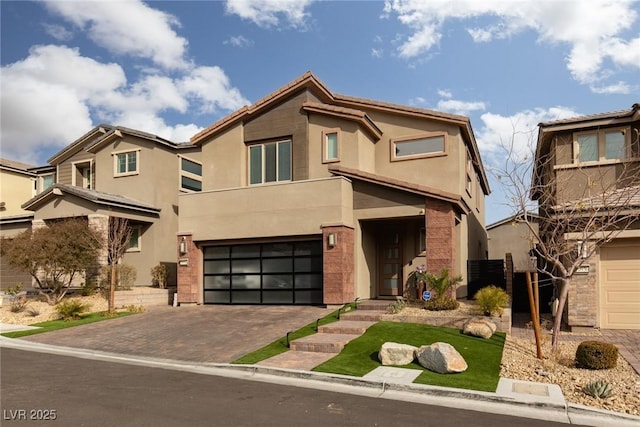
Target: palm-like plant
{"x":441,"y":283}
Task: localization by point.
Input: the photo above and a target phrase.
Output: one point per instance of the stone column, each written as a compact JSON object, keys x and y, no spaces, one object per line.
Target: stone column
{"x":99,"y":223}
{"x":189,"y":270}
{"x":441,"y":237}
{"x":338,"y":264}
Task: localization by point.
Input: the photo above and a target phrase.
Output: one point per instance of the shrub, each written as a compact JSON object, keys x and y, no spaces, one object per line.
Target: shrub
{"x":126,"y":274}
{"x":159,"y":275}
{"x":441,"y":283}
{"x":599,"y":389}
{"x":89,"y":288}
{"x":596,"y":355}
{"x":492,"y":300}
{"x":18,"y":304}
{"x":135,"y":308}
{"x":397,"y":306}
{"x":33,"y":312}
{"x":440,"y":305}
{"x":71,"y":309}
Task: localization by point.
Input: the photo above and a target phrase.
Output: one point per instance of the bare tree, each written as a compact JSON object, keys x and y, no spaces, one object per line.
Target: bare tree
{"x":580,"y":208}
{"x":117,"y":244}
{"x":55,"y":255}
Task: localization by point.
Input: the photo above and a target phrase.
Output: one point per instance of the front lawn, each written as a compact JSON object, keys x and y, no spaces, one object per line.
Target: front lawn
{"x":483,"y":356}
{"x":53,"y":325}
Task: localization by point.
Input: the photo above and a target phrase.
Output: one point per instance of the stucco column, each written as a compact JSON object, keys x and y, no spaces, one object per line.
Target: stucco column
{"x":441,"y":237}
{"x":37,"y":224}
{"x":338,"y":264}
{"x":189,"y":270}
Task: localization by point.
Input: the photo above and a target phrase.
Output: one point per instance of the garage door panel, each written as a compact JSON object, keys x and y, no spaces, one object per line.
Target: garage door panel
{"x":620,"y":285}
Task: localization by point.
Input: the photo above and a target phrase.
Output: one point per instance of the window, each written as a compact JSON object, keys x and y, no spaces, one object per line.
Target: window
{"x":190,"y":175}
{"x":330,"y":146}
{"x":82,"y":174}
{"x":46,"y":181}
{"x":134,"y":240}
{"x":270,"y":162}
{"x":469,"y":168}
{"x":422,"y":240}
{"x":599,"y":146}
{"x":126,"y":163}
{"x":418,"y":147}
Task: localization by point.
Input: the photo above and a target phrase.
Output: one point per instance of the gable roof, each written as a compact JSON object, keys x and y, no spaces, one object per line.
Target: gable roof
{"x":346,"y":113}
{"x":97,"y":197}
{"x":517,"y":218}
{"x":309,"y":81}
{"x":80,"y":143}
{"x":15,"y":166}
{"x":421,"y":190}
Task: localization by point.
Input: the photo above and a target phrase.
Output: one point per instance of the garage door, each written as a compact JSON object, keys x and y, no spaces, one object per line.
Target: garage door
{"x":267,"y":273}
{"x":620,"y":285}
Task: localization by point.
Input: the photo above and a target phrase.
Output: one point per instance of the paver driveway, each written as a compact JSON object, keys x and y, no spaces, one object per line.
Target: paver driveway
{"x":218,"y":333}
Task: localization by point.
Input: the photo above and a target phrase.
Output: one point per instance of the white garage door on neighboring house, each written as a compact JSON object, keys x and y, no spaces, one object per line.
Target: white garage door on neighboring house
{"x":620,"y":285}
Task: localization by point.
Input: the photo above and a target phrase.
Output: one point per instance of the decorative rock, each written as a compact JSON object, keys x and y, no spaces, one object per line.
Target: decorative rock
{"x":441,"y":357}
{"x":392,"y":353}
{"x":479,"y":327}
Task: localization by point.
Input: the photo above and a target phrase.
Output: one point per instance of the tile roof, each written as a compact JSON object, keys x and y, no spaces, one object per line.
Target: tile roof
{"x":598,"y":116}
{"x":628,"y":197}
{"x":98,"y":197}
{"x":15,"y":164}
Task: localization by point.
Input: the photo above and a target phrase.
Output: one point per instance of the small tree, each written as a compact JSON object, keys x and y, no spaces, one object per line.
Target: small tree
{"x":117,"y":244}
{"x":55,"y":255}
{"x":579,"y":213}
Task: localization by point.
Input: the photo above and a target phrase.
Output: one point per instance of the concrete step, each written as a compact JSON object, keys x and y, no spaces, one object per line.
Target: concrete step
{"x":375,"y":305}
{"x":363,"y":315}
{"x":345,"y":327}
{"x":322,"y":343}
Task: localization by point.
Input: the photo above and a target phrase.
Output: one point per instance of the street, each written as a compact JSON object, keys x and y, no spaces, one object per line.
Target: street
{"x":45,"y":389}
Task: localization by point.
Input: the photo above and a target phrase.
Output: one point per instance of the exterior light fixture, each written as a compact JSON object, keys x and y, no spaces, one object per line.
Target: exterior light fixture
{"x":332,"y":240}
{"x":183,"y":246}
{"x":583,"y":249}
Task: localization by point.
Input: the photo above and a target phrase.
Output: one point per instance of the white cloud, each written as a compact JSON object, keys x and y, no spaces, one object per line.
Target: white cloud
{"x":376,"y":53}
{"x":616,"y":88}
{"x":212,"y":88}
{"x":58,"y":32}
{"x":271,"y":13}
{"x":517,"y":131}
{"x":445,"y":93}
{"x":127,"y":28}
{"x":592,"y":31}
{"x":238,"y":41}
{"x":460,"y":107}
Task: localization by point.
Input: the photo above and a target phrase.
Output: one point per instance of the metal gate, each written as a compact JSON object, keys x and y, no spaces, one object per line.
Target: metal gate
{"x":485,"y":272}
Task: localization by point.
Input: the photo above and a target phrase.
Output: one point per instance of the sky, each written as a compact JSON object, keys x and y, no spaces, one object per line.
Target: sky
{"x":173,"y":68}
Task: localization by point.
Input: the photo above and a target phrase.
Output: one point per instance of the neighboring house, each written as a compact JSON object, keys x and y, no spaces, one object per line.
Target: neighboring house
{"x":119,"y":172}
{"x":17,"y":183}
{"x":511,"y":236}
{"x":595,"y":165}
{"x":310,"y":197}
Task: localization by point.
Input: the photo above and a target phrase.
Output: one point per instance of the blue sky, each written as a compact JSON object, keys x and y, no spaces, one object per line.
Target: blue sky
{"x":173,"y":68}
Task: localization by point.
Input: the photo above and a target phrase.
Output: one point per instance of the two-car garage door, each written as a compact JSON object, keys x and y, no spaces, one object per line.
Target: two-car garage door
{"x":620,"y":285}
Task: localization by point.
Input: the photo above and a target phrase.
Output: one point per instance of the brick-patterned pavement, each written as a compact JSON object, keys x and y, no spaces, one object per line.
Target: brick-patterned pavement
{"x":217,"y":334}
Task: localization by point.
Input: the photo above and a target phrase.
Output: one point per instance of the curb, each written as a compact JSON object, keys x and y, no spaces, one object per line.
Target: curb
{"x":417,"y":393}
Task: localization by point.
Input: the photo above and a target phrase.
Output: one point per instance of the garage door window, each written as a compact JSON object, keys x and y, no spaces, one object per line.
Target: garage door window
{"x":268,"y":273}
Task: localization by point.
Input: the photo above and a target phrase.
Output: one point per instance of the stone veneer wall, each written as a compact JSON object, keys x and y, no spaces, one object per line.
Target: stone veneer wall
{"x":189,"y":272}
{"x":583,"y":298}
{"x":338,"y":265}
{"x":441,"y":237}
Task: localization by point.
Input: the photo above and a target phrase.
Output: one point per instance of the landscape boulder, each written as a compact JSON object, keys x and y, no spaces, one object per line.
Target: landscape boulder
{"x":479,"y":327}
{"x":393,"y":353}
{"x":441,"y":357}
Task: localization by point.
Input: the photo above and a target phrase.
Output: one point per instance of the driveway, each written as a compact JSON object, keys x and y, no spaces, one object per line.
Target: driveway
{"x":218,"y":334}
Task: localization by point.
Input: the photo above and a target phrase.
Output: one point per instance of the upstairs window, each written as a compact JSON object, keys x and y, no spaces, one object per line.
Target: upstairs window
{"x":469,"y":169}
{"x":601,"y":146}
{"x":418,"y":146}
{"x":330,"y":146}
{"x":190,"y":175}
{"x":270,"y":162}
{"x":46,"y":181}
{"x":126,"y":163}
{"x":82,"y":174}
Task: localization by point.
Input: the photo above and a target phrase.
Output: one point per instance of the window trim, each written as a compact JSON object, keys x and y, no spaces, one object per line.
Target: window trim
{"x":427,"y":135}
{"x":74,"y":172}
{"x":602,"y":149}
{"x":187,"y":174}
{"x":115,"y":155}
{"x":325,"y":151}
{"x":263,"y":144}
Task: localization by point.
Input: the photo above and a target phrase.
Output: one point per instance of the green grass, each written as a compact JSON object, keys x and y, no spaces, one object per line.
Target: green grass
{"x":483,"y":356}
{"x":280,"y":346}
{"x":53,"y":325}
